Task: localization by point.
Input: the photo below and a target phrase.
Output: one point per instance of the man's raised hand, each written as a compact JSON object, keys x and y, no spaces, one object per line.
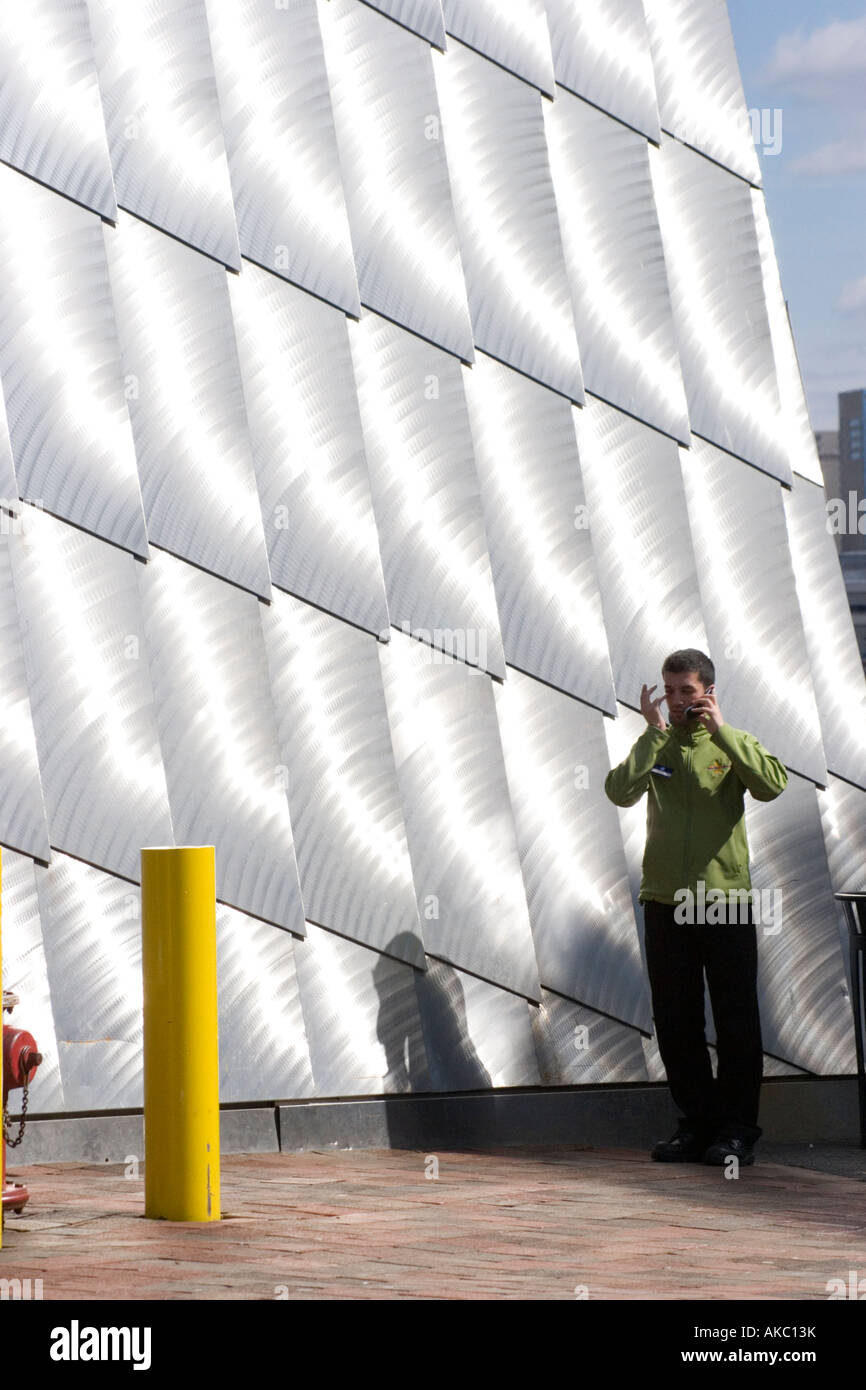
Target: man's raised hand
{"x":649,"y":707}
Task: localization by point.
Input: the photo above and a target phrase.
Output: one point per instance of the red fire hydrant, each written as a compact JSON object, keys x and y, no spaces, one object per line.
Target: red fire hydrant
{"x":20,"y":1060}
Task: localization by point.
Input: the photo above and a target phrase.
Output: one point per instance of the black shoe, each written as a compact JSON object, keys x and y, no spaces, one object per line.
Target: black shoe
{"x":686,"y":1146}
{"x":724,"y":1148}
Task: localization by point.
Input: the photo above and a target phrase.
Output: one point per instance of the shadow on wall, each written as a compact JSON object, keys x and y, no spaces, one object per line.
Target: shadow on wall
{"x":439,"y":1056}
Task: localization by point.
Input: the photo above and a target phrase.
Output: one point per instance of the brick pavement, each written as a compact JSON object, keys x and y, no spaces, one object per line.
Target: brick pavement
{"x":517,"y":1224}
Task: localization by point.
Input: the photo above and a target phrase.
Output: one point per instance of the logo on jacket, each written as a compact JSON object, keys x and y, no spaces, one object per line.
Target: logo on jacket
{"x":661,"y":771}
{"x":718,"y":767}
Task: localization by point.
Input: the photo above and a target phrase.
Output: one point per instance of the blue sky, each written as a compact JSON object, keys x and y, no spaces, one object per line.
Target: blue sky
{"x":808,"y":60}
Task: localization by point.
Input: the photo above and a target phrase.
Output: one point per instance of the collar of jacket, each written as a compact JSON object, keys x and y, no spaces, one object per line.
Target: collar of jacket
{"x":689,"y":733}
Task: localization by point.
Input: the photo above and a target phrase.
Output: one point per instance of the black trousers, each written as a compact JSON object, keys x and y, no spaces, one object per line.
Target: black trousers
{"x":678,"y":956}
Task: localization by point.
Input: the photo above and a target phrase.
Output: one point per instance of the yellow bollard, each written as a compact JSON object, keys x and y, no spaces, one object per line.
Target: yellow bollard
{"x":181,"y":1059}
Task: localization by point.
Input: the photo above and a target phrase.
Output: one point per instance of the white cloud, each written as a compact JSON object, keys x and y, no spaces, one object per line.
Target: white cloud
{"x":839,"y":157}
{"x":827,"y":68}
{"x":837,"y":50}
{"x":853,"y":296}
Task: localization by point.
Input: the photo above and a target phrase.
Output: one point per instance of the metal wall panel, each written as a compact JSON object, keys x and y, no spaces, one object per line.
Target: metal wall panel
{"x":515,"y":35}
{"x":308,"y":448}
{"x":477,"y":1037}
{"x":843,"y":816}
{"x":426,"y":494}
{"x":186,"y":404}
{"x":395,"y":175}
{"x":50,"y":115}
{"x":22,"y":809}
{"x":643,"y":546}
{"x":361,"y":1017}
{"x":577,"y":1047}
{"x":90,"y":694}
{"x":459,"y":823}
{"x":601,"y":52}
{"x":571,"y":853}
{"x":91,"y":927}
{"x":753,"y":621}
{"x":616,"y":266}
{"x":700,"y":92}
{"x":535,"y":512}
{"x":794,"y":422}
{"x":654,"y":1064}
{"x":837,"y":671}
{"x":226,"y":780}
{"x":60,"y":365}
{"x":262,"y":1042}
{"x":26,"y":974}
{"x":163,"y":120}
{"x":8,"y":482}
{"x":332,"y":728}
{"x":720,"y":313}
{"x":282,"y":149}
{"x":371,"y":466}
{"x":423,"y":17}
{"x":806,"y":1016}
{"x":773,"y":1067}
{"x":506,"y":213}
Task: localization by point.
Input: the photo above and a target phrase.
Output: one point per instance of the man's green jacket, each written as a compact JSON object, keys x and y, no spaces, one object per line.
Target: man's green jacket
{"x":696,"y":784}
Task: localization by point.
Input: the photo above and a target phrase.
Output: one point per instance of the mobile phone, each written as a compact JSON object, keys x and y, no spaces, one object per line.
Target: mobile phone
{"x":691,"y":712}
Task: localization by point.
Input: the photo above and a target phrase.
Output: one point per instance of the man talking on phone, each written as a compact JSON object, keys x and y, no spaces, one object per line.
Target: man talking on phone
{"x":695,"y":771}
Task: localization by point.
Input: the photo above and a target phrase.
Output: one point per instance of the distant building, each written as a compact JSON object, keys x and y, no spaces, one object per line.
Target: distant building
{"x":852,"y":433}
{"x":842,"y":461}
{"x":828,"y":452}
{"x":854,"y":573}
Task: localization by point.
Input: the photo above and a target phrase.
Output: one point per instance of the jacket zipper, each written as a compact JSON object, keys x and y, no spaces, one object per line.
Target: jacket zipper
{"x":688,"y":759}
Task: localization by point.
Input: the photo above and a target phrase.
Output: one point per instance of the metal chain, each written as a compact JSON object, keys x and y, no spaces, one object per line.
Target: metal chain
{"x":13,"y":1143}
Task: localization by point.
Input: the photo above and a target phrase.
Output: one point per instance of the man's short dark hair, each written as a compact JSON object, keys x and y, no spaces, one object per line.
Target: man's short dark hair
{"x":691,"y":660}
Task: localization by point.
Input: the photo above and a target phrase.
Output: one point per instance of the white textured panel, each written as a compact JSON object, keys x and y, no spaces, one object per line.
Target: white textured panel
{"x":308,"y":448}
{"x":507,"y":220}
{"x":749,"y":598}
{"x":514,"y":35}
{"x":88,"y":676}
{"x":163,"y":120}
{"x":395,"y":175}
{"x":543,"y":564}
{"x":459,"y":823}
{"x":616,"y":266}
{"x":332,"y":728}
{"x":837,"y":669}
{"x":187,"y":404}
{"x":794,"y":422}
{"x":601,"y":52}
{"x":426,"y":493}
{"x":571,"y":855}
{"x":282,"y":150}
{"x":60,"y":365}
{"x":698,"y":81}
{"x":717,"y":289}
{"x":217,"y":729}
{"x":50,"y":115}
{"x":647,"y":569}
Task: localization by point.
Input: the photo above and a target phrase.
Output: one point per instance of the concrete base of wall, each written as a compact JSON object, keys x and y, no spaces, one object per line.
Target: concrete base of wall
{"x":119,"y":1138}
{"x":811,"y":1110}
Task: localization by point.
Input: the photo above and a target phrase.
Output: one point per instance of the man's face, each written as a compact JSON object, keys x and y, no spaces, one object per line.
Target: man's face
{"x":681,"y":690}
